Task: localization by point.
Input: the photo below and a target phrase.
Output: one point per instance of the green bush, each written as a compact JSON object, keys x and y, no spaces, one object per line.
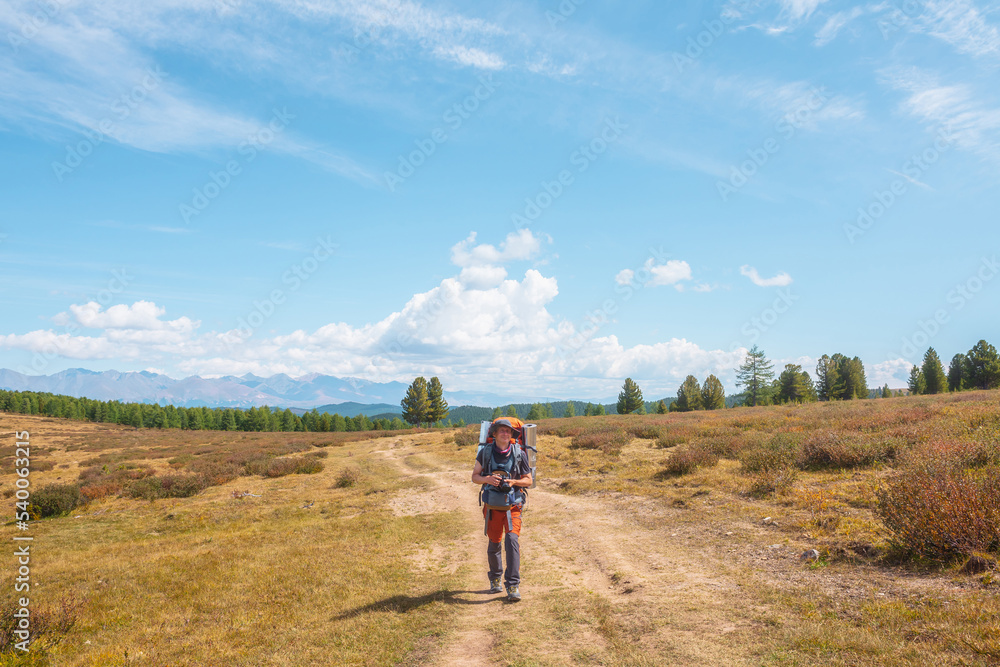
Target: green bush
{"x":148,"y":488}
{"x":55,"y":500}
{"x":308,"y":467}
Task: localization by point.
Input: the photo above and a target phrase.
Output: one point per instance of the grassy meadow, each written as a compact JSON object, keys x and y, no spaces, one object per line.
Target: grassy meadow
{"x":200,"y":547}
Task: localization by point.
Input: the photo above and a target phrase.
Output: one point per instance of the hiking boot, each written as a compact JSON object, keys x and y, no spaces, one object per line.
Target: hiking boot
{"x":495,"y":586}
{"x":513,"y":595}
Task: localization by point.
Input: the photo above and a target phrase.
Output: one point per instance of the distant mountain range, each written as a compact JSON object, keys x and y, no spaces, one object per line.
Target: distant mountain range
{"x":309,"y":391}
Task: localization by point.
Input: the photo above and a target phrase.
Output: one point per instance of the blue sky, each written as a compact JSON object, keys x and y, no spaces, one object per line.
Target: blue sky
{"x":541,"y":198}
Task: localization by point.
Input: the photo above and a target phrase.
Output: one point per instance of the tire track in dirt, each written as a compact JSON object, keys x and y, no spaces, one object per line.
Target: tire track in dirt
{"x":684,"y":601}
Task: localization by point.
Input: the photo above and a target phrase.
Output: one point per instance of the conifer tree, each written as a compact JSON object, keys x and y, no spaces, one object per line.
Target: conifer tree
{"x":599,"y":410}
{"x":795,"y":385}
{"x":417,"y":403}
{"x":982,"y":366}
{"x":511,"y":411}
{"x":916,"y":382}
{"x":851,"y":381}
{"x":630,"y":397}
{"x":439,"y":406}
{"x":589,"y":410}
{"x":570,"y":410}
{"x":826,"y":378}
{"x":688,"y":395}
{"x":497,"y":413}
{"x":323,"y":426}
{"x":754,"y":375}
{"x":536,"y":412}
{"x":713,"y":397}
{"x":661,"y":407}
{"x":886,"y":393}
{"x":956,"y":373}
{"x":935,"y":381}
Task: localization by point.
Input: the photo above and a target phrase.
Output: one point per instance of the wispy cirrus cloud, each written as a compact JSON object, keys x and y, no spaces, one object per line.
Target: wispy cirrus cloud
{"x":961,"y":24}
{"x":958,"y":110}
{"x":86,"y":69}
{"x":835,"y":24}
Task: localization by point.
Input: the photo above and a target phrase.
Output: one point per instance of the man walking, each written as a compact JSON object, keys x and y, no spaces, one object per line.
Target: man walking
{"x":502,"y":468}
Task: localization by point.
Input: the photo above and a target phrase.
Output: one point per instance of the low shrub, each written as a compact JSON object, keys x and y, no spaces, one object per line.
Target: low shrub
{"x":121,"y":473}
{"x":55,"y":500}
{"x":216,"y":472}
{"x":467,"y":437}
{"x":148,"y":488}
{"x":781,"y":451}
{"x":281,"y":467}
{"x":839,"y":450}
{"x":308,"y":467}
{"x":100,"y":490}
{"x":687,"y":460}
{"x":723,"y":447}
{"x":609,"y":439}
{"x":348,"y":477}
{"x":667,"y":441}
{"x":647,"y":431}
{"x":561,"y":430}
{"x":182,"y":486}
{"x":167,"y":486}
{"x":257,"y":466}
{"x":938,"y":509}
{"x":767,"y":482}
{"x":47,"y":628}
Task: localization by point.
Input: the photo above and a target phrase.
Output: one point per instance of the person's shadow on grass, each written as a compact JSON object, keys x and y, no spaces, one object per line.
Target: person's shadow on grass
{"x":404,"y":603}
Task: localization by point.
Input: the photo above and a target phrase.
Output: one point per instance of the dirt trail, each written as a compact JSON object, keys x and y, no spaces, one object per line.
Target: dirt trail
{"x":681,"y":599}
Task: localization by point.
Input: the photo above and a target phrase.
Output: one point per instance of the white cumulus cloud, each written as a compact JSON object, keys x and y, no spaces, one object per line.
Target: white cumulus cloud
{"x":779,"y":280}
{"x":672,"y":272}
{"x":519,"y":245}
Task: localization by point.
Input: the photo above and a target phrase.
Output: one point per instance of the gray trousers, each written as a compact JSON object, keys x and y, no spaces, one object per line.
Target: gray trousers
{"x":512,"y":576}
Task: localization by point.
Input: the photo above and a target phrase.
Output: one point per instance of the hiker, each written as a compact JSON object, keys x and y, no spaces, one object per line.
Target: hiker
{"x":503,"y":498}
